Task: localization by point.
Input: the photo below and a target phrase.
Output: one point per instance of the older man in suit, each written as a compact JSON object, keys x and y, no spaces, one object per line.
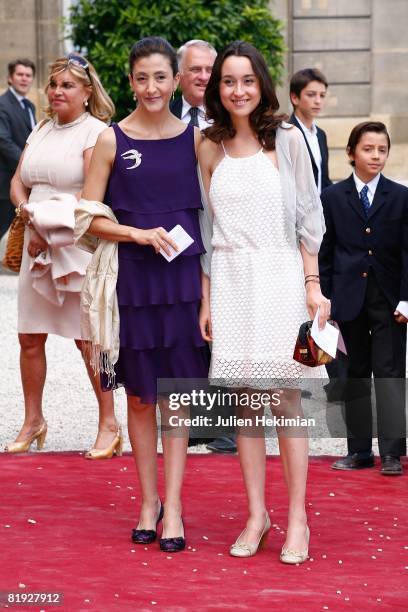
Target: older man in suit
{"x":17,"y":119}
{"x":196,"y":59}
{"x":363,"y":263}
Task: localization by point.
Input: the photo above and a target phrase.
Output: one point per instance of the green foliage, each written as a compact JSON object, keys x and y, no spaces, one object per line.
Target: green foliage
{"x":105,"y":30}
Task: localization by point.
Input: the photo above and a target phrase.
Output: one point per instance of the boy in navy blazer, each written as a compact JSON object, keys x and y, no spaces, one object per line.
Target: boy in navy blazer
{"x":364,"y":271}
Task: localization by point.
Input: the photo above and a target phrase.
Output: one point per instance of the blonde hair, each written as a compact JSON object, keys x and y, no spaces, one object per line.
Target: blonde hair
{"x":99,"y":103}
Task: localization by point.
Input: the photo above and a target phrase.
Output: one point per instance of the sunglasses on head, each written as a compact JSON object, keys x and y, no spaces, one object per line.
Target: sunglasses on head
{"x":79,"y":61}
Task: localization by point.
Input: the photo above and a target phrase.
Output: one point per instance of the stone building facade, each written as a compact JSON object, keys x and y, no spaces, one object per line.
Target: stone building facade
{"x":362,"y":48}
{"x":360,"y":45}
{"x":33,"y":29}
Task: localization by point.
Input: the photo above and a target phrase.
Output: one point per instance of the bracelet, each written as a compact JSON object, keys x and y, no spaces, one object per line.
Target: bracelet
{"x":19,"y":207}
{"x":312,"y":280}
{"x":311,"y":276}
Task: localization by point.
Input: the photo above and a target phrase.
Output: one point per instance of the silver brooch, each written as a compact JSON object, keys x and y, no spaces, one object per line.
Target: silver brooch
{"x":134,"y":155}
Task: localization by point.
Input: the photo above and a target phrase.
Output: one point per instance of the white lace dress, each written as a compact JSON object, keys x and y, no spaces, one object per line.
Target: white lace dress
{"x":257,"y":280}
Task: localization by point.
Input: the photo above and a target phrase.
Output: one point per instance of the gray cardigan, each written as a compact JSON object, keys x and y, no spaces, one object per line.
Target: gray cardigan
{"x":304,"y":218}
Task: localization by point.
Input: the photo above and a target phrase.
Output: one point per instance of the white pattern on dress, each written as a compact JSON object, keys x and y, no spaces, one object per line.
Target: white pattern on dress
{"x":257,"y":282}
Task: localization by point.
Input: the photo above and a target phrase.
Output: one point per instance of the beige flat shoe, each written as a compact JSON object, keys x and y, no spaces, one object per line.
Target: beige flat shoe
{"x":296,"y":556}
{"x":245,"y":549}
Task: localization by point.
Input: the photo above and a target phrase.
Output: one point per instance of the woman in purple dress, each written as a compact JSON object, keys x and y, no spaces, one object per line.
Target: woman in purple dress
{"x":144,"y":167}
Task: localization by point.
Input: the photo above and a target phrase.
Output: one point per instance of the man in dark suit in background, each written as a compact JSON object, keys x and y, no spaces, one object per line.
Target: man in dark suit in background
{"x":17,"y":119}
{"x":363,"y":264}
{"x":195,"y":59}
{"x":307,"y":92}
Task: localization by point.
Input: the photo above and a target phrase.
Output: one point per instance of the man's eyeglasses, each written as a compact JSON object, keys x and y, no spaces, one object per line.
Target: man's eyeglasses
{"x":79,"y":61}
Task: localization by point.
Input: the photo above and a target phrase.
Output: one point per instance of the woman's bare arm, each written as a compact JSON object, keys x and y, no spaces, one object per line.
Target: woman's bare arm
{"x":94,"y":189}
{"x":314,"y":296}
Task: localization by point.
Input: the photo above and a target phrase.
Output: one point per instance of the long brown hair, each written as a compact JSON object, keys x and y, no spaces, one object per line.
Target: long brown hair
{"x":262,"y":120}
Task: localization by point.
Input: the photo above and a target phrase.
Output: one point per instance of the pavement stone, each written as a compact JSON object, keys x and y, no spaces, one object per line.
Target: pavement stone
{"x":69,"y":404}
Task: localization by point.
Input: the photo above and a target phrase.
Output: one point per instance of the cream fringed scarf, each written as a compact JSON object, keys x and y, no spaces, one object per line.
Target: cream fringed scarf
{"x":99,"y":302}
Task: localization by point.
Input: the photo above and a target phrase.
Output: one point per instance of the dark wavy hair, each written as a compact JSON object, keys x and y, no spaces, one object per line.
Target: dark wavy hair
{"x":150,"y":45}
{"x":262,"y":120}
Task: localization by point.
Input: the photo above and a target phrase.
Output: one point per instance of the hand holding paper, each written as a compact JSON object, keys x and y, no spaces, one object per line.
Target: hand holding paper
{"x":182,"y":240}
{"x":328,"y":338}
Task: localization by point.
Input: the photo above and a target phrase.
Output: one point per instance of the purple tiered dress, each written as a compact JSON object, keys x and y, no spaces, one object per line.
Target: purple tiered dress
{"x":154,"y":183}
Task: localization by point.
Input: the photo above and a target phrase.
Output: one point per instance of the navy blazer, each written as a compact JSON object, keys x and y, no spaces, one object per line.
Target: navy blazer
{"x":14,"y":131}
{"x":355,"y":243}
{"x":324,"y":151}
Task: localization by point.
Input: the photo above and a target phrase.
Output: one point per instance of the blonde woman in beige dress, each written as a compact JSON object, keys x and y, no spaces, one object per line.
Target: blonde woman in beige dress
{"x":56,"y":160}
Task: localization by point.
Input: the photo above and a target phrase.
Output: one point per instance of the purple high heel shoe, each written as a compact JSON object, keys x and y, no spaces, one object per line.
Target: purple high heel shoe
{"x":147,"y":536}
{"x":173,"y":544}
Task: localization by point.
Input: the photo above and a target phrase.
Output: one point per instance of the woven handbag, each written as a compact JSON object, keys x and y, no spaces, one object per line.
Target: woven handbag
{"x":14,"y":247}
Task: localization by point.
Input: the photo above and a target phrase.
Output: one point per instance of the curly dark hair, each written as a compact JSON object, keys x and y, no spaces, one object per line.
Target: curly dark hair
{"x":262,"y":120}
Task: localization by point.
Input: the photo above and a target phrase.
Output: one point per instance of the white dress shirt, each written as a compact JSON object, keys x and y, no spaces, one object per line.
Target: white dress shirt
{"x":313,"y":142}
{"x":20,"y":98}
{"x":372,"y":186}
{"x":186,"y":117}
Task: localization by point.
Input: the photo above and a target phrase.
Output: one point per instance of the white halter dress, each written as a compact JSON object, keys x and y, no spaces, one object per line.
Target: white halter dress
{"x":257,"y":280}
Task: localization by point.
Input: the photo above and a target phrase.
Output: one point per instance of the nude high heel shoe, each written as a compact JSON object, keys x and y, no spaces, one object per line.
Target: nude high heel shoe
{"x":296,"y":556}
{"x":244,"y":549}
{"x":115,"y":448}
{"x":23,"y":447}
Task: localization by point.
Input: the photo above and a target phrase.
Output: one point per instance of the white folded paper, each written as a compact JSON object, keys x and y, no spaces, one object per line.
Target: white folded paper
{"x":181,"y":238}
{"x":327,"y":338}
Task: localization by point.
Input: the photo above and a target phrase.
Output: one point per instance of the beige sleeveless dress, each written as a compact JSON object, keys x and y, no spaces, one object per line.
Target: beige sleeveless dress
{"x":53,"y":163}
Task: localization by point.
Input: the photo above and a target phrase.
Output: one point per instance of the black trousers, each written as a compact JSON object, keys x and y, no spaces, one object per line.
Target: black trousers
{"x":376,"y":345}
{"x":7,"y":212}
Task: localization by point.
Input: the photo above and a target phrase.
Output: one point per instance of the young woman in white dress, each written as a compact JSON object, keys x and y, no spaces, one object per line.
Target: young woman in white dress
{"x":267,"y":230}
{"x":56,"y":160}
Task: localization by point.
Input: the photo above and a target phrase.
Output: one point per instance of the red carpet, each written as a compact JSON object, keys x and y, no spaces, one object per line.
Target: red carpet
{"x":80,"y":542}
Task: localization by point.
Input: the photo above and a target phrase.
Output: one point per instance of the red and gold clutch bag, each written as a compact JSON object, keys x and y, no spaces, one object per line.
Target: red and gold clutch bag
{"x":306,"y":350}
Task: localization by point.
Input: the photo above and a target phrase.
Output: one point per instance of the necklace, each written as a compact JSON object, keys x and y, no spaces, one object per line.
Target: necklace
{"x":63,"y":126}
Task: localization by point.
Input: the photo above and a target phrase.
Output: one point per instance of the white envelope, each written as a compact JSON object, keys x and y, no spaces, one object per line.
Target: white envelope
{"x":181,"y":238}
{"x":327,"y":338}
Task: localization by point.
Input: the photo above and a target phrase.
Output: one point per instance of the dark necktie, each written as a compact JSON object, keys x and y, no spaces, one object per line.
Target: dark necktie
{"x":364,"y":199}
{"x":194,"y":116}
{"x":27,"y":112}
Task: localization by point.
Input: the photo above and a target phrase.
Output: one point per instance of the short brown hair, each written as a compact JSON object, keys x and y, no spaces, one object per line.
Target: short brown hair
{"x":22,"y":62}
{"x":360,"y":129}
{"x":302,"y":78}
